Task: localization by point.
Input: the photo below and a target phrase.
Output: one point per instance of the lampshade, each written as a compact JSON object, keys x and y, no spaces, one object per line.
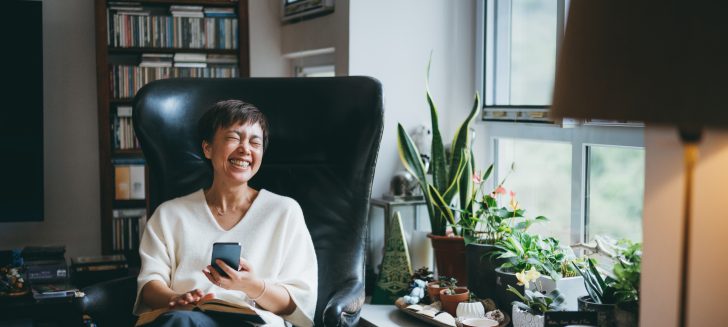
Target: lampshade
{"x":651,"y":61}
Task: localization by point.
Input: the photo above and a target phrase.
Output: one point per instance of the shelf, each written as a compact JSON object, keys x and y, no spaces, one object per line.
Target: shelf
{"x":129,"y":204}
{"x":122,"y":101}
{"x":108,"y":56}
{"x":126,"y":153}
{"x":116,"y":50}
{"x":191,"y":2}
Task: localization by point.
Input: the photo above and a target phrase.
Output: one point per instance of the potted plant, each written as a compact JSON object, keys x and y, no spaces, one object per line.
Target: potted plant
{"x":615,"y":298}
{"x":434,"y":287}
{"x":450,"y":177}
{"x":529,"y":309}
{"x":491,"y":222}
{"x":524,"y":251}
{"x":452,"y":295}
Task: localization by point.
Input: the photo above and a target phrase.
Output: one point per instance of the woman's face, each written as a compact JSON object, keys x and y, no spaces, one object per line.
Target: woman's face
{"x":235,"y":152}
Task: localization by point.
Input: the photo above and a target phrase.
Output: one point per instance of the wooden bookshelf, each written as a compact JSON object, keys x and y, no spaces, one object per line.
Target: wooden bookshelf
{"x":108,"y":55}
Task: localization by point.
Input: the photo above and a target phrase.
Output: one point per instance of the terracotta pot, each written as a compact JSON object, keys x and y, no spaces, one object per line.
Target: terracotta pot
{"x":450,"y":301}
{"x":450,"y":257}
{"x":433,"y":290}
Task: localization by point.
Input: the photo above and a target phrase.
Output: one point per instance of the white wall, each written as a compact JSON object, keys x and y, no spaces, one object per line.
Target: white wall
{"x":71,"y":157}
{"x":391,"y":41}
{"x":266,"y":46}
{"x":325,"y":32}
{"x":662,"y":225}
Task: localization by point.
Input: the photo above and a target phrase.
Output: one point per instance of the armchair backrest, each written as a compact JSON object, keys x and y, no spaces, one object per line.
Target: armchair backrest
{"x":324,"y":140}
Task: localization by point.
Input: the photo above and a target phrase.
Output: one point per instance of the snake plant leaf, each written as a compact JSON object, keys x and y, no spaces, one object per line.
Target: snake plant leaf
{"x":441,"y":205}
{"x":438,"y":163}
{"x":452,"y":188}
{"x":465,"y":185}
{"x":461,"y":140}
{"x":409,"y":155}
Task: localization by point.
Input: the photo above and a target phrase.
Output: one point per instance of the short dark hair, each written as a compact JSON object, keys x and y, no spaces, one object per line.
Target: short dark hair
{"x":224,"y":114}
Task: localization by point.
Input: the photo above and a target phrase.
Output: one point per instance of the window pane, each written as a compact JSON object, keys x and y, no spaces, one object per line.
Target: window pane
{"x":541,"y":180}
{"x":533,"y":51}
{"x":616,"y":191}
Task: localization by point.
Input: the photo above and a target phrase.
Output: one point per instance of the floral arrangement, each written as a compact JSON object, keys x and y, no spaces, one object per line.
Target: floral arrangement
{"x":535,"y":302}
{"x":485,"y":218}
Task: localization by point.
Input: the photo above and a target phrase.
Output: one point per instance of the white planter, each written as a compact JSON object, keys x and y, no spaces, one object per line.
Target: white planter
{"x":470,"y":310}
{"x":570,"y":287}
{"x":524,"y":319}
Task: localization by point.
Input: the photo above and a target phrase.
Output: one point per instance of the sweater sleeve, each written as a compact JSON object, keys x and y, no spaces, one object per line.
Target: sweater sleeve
{"x":300,"y":274}
{"x":156,"y":262}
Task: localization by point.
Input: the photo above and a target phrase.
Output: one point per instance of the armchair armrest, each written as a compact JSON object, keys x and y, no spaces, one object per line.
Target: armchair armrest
{"x":111,"y":303}
{"x":345,"y":305}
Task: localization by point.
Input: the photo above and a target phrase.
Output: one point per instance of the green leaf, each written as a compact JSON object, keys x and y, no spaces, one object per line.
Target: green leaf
{"x":438,"y":160}
{"x":441,"y":205}
{"x":461,"y":140}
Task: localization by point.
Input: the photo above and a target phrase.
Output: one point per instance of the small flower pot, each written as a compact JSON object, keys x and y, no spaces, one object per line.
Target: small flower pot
{"x":504,"y":298}
{"x":605,"y":312}
{"x":523,"y":318}
{"x":467,"y":310}
{"x":450,"y":301}
{"x":433,"y":290}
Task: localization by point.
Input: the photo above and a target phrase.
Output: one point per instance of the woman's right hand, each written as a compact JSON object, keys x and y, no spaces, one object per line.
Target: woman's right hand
{"x":188,"y":298}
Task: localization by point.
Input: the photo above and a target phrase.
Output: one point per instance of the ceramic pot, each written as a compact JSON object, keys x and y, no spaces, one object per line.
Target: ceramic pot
{"x":481,"y":269}
{"x":450,"y":301}
{"x":605,"y":312}
{"x":504,"y":298}
{"x":450,"y":257}
{"x":479,"y":322}
{"x":526,"y":319}
{"x":570,"y":287}
{"x":627,"y":314}
{"x":467,"y":310}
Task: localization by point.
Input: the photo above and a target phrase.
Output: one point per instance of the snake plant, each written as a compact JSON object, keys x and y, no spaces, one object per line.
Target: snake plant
{"x":449,"y":177}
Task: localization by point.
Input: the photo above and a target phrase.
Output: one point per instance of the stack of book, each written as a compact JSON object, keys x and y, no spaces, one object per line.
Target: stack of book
{"x":128,"y":226}
{"x":90,"y":270}
{"x":156,"y":60}
{"x":186,"y":11}
{"x":190,"y":60}
{"x":47,"y":272}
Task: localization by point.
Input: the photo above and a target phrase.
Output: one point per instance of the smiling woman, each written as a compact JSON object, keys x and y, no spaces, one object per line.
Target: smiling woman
{"x":275,"y":270}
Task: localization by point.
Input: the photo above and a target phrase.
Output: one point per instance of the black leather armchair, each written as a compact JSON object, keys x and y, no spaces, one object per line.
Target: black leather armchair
{"x":325,"y":135}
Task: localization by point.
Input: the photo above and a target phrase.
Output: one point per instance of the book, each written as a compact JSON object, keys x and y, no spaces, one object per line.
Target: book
{"x":53,"y":291}
{"x":242,"y":310}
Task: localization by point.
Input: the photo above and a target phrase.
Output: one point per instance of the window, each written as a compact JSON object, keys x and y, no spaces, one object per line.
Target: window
{"x":588,"y":179}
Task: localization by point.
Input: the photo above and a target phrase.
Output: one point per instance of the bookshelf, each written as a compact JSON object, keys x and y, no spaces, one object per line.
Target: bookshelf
{"x":137,"y":42}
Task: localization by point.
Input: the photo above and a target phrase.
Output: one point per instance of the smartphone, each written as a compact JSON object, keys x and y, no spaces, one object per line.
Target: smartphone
{"x":228,"y":252}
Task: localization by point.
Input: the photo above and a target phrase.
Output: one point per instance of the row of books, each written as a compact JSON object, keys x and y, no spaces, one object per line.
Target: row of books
{"x":127,"y":80}
{"x":195,"y":60}
{"x":123,"y":130}
{"x":127,"y":228}
{"x":129,"y":179}
{"x":130,"y":29}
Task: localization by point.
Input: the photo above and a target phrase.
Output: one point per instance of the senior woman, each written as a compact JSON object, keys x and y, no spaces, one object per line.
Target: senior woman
{"x":278,"y":271}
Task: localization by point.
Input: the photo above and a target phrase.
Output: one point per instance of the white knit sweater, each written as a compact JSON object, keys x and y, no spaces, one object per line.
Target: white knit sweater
{"x":177,"y":245}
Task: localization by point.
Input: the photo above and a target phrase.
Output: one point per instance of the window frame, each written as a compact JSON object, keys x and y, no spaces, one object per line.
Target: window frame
{"x":532,"y":122}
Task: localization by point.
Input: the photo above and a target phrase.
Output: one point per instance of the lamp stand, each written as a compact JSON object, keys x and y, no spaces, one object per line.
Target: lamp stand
{"x":690,"y":139}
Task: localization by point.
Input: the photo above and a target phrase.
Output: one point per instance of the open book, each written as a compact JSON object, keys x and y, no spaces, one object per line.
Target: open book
{"x":242,"y":310}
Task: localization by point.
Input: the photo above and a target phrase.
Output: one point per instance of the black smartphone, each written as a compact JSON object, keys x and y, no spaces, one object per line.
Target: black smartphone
{"x":228,"y":252}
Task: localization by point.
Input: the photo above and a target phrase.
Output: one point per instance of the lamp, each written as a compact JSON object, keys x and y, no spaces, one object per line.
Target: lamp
{"x":660,"y":62}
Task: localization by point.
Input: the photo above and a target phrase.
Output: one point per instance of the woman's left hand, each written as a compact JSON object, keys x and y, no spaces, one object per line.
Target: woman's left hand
{"x":242,"y":279}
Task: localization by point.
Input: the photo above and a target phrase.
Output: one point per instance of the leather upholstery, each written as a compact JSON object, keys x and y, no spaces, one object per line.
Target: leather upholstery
{"x":324,"y":140}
